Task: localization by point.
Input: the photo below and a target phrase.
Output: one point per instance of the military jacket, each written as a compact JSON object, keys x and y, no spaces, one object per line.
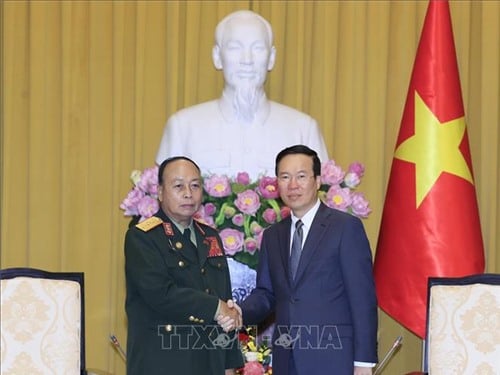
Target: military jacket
{"x":173,"y":289}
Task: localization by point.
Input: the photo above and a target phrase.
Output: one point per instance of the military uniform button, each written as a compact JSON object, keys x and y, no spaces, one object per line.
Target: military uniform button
{"x":202,"y":271}
{"x":191,"y":318}
{"x":168,"y":328}
{"x":181,"y":263}
{"x":202,"y":321}
{"x":207,"y":290}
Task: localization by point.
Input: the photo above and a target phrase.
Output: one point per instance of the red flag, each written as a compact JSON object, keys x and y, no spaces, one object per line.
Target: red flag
{"x":430,"y":224}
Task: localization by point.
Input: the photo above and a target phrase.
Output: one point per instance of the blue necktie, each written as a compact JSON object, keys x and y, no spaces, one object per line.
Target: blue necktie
{"x":296,"y":248}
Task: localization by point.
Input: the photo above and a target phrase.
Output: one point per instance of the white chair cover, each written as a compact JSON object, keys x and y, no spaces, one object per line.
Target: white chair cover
{"x":40,"y":326}
{"x":464,"y":327}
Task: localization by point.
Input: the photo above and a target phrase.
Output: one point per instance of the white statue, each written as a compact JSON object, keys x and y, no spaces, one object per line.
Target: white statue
{"x":243,"y":130}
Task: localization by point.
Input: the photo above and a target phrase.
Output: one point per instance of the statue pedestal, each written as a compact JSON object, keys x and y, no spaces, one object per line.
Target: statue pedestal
{"x":242,"y":279}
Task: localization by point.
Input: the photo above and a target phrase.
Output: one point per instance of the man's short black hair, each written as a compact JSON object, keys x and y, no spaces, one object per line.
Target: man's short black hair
{"x":300,"y":149}
{"x":165,"y":162}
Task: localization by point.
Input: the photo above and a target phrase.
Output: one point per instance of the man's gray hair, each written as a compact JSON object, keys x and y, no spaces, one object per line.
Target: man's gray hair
{"x":242,"y":14}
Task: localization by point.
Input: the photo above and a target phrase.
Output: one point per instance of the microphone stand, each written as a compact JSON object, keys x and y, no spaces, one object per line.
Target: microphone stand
{"x":395,"y":345}
{"x":118,"y":347}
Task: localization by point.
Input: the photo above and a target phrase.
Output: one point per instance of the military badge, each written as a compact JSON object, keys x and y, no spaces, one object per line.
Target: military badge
{"x":215,"y":250}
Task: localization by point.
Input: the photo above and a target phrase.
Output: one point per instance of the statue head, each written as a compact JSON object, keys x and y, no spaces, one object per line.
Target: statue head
{"x":244,"y":50}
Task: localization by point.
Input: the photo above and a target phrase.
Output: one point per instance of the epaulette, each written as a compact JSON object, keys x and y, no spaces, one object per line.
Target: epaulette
{"x":149,"y":224}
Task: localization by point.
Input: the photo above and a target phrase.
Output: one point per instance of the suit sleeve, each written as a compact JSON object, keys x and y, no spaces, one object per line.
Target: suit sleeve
{"x":357,"y":271}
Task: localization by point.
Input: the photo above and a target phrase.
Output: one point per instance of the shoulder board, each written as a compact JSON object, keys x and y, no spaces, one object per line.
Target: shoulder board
{"x":149,"y":224}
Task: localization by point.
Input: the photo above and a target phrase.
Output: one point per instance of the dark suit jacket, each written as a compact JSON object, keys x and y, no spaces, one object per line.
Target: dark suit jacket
{"x":172,"y":295}
{"x":330,"y":309}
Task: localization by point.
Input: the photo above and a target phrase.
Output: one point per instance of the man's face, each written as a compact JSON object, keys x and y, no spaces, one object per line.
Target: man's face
{"x":297,"y":185}
{"x":181,"y":192}
{"x":245,"y":53}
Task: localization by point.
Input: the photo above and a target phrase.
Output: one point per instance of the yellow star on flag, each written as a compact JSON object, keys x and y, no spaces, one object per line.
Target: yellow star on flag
{"x":433,"y":149}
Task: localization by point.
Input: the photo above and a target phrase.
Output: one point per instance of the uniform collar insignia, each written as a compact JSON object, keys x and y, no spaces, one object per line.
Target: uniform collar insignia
{"x":167,"y":227}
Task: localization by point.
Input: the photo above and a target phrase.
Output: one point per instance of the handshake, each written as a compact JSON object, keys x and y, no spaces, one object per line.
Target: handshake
{"x":229,"y":315}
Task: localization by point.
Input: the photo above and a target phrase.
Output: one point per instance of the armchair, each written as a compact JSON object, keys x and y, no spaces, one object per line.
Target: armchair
{"x":42,"y":322}
{"x":463,"y":325}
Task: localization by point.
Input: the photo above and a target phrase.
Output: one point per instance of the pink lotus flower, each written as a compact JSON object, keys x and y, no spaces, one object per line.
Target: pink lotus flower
{"x":217,"y":186}
{"x":284,"y":212}
{"x":351,"y":180}
{"x":238,"y":219}
{"x":331,"y":173}
{"x":357,"y":168}
{"x":250,"y":245}
{"x":232,"y":240}
{"x":243,"y":178}
{"x":360,"y":205}
{"x":131,"y":202}
{"x":202,"y":215}
{"x":147,"y":207}
{"x":210,"y":209}
{"x":248,"y":202}
{"x":268,"y":187}
{"x":339,"y":198}
{"x":269,"y":215}
{"x":148,"y":181}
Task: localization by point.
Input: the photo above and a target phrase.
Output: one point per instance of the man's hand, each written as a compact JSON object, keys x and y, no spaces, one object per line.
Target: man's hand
{"x":233,"y":305}
{"x":230,"y":316}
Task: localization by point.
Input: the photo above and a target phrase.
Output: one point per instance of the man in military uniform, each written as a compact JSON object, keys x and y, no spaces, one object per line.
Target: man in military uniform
{"x":177,"y":284}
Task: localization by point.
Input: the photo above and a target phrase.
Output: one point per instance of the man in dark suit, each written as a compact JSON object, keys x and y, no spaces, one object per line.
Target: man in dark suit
{"x":315,"y":274}
{"x":177,"y":281}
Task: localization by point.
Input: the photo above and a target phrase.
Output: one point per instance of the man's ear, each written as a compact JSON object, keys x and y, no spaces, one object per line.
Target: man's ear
{"x":272,"y":59}
{"x":160,"y":193}
{"x":216,"y":57}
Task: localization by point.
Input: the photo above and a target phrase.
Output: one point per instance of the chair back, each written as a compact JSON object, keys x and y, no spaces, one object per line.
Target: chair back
{"x":463,"y":325}
{"x":42,"y":322}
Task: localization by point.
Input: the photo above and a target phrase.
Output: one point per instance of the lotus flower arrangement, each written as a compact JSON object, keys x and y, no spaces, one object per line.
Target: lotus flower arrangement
{"x":241,"y":209}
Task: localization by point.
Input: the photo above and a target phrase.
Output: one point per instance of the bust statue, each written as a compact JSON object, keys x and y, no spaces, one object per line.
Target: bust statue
{"x":243,"y":130}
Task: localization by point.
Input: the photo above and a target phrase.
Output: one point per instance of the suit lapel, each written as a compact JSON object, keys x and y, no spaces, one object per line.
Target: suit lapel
{"x":284,"y":245}
{"x":311,"y":245}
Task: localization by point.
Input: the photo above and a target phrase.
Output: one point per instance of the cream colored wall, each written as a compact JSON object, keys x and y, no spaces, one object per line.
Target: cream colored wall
{"x":88,"y":85}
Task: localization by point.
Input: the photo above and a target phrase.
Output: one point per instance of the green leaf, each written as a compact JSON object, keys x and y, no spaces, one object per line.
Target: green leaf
{"x":248,"y":259}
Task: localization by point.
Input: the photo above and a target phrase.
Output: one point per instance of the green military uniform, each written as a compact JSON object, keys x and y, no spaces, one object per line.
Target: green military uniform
{"x":173,"y":289}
